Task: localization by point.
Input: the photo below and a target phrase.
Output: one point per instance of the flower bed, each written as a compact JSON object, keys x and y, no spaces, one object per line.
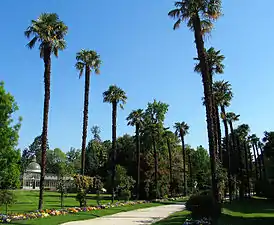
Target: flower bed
{"x":54,"y":212}
{"x":197,"y":222}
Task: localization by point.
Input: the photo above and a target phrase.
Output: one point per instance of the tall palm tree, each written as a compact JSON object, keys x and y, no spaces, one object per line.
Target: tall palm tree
{"x":199,"y":16}
{"x":216,"y":66}
{"x":135,"y":118}
{"x":89,"y":61}
{"x":181,"y":129}
{"x":223,"y":95}
{"x":114,"y":95}
{"x":49,"y":31}
{"x":252,"y":138}
{"x":167,"y":135}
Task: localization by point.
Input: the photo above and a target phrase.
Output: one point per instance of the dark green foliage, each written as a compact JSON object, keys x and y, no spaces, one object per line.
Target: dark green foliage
{"x":202,"y":206}
{"x":82,"y":183}
{"x":7,"y":198}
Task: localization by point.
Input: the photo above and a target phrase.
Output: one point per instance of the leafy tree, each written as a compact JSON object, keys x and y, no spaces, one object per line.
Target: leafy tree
{"x":95,"y":130}
{"x":181,"y":130}
{"x":114,"y":95}
{"x":154,"y":117}
{"x":49,"y":31}
{"x":87,"y":60}
{"x":199,"y":16}
{"x":82,"y":183}
{"x":7,"y":198}
{"x":74,"y":159}
{"x":9,"y":155}
{"x":135,"y":118}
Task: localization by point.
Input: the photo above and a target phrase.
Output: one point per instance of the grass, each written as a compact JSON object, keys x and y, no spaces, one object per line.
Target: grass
{"x":247,"y":212}
{"x":27,"y":201}
{"x":83,"y":215}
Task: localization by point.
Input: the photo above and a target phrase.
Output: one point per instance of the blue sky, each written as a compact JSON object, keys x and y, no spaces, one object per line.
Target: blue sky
{"x":141,"y":54}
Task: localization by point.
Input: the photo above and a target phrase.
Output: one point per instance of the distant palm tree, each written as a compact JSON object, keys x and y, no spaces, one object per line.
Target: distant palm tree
{"x":135,"y":118}
{"x":199,"y":16}
{"x":87,"y":60}
{"x":167,"y":135}
{"x":261,"y":146}
{"x":181,"y":129}
{"x":258,"y":168}
{"x":216,"y":66}
{"x":50,"y":32}
{"x":114,"y":95}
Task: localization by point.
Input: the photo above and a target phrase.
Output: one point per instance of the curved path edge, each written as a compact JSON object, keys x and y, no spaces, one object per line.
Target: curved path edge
{"x":144,"y":216}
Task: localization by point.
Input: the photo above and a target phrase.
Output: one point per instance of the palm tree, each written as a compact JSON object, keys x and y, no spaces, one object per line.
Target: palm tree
{"x":199,"y":16}
{"x":167,"y":135}
{"x":254,"y":140}
{"x":87,"y":60}
{"x":181,"y":129}
{"x":216,"y":66}
{"x":261,"y":146}
{"x":114,"y":95}
{"x":135,"y":118}
{"x":49,"y":31}
{"x":223,"y":95}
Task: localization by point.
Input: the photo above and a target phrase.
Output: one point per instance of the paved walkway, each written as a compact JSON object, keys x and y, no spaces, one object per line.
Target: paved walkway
{"x":136,"y":217}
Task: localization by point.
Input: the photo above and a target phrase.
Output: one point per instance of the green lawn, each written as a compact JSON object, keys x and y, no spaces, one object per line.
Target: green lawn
{"x":248,"y":212}
{"x":27,"y":201}
{"x":55,"y":220}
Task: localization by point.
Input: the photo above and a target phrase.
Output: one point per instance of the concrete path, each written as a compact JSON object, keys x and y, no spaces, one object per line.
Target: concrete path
{"x":136,"y":217}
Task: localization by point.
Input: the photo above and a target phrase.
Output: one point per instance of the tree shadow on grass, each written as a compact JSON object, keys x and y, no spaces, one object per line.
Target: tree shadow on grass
{"x":234,"y":220}
{"x":253,"y":205}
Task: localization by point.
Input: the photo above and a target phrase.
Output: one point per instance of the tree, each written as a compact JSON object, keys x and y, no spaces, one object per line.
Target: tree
{"x":181,"y":130}
{"x":9,"y":154}
{"x":216,"y":66}
{"x":89,"y":61}
{"x":74,"y":159}
{"x":135,"y":118}
{"x":229,"y":118}
{"x":95,"y":130}
{"x":49,"y":31}
{"x":114,"y":95}
{"x":153,"y":119}
{"x":199,"y":16}
{"x":254,"y":141}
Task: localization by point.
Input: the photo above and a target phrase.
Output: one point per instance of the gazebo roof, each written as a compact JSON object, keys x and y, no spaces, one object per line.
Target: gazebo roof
{"x":33,"y":167}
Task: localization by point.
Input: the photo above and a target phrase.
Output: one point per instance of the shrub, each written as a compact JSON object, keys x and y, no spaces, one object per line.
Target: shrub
{"x":203,"y":206}
{"x":82,"y":184}
{"x":126,"y":195}
{"x":6,"y":198}
{"x":264,"y":189}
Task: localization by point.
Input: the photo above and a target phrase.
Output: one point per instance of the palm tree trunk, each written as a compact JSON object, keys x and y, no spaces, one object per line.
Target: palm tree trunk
{"x":184,"y":158}
{"x":208,"y":103}
{"x":170,"y":166}
{"x":250,"y":166}
{"x":247,"y":169}
{"x":138,"y":159}
{"x":228,"y":150}
{"x":190,"y":172}
{"x":85,"y":118}
{"x":255,"y":162}
{"x":263,"y":163}
{"x":114,"y":116}
{"x":241,"y":191}
{"x":47,"y":65}
{"x":155,"y":166}
{"x":259,"y":160}
{"x":219,"y":134}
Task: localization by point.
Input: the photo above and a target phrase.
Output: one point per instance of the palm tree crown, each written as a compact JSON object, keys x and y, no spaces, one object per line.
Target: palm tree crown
{"x":223,"y":92}
{"x":49,"y":31}
{"x":215,"y":62}
{"x":88,"y":58}
{"x":181,"y":128}
{"x":135,"y":117}
{"x":116,"y":95}
{"x":188,"y":10}
{"x":232,"y":117}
